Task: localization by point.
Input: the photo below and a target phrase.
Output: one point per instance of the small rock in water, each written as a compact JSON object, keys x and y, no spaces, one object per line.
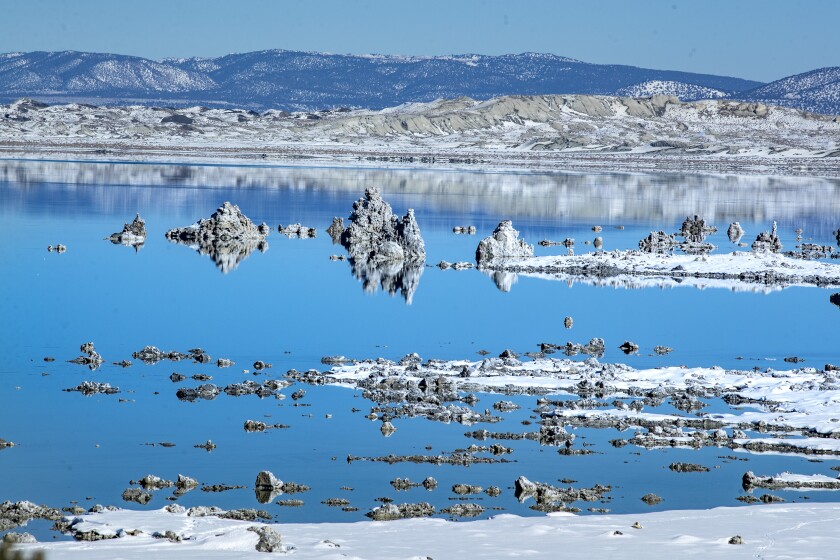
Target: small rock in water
{"x":596,"y":229}
{"x":132,"y":235}
{"x":651,"y":499}
{"x":735,"y":232}
{"x":138,"y":495}
{"x":598,"y":242}
{"x":629,"y":347}
{"x":568,"y":322}
{"x":662,"y":350}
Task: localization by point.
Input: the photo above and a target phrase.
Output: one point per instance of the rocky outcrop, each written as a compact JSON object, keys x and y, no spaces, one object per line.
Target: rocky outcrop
{"x":658,"y":242}
{"x":503,"y":244}
{"x":375,"y":234}
{"x":227,"y":237}
{"x":550,"y":498}
{"x":13,"y":514}
{"x":269,"y":539}
{"x":91,"y":357}
{"x":267,"y":487}
{"x":767,"y":241}
{"x":336,"y":229}
{"x":788,"y":480}
{"x":133,"y":234}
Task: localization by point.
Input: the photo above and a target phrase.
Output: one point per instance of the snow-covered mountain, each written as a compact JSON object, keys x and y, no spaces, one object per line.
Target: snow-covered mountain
{"x":278,"y":79}
{"x":817,"y":91}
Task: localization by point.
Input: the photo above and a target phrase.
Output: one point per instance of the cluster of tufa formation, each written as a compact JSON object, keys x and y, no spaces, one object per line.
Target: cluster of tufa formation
{"x":132,"y":235}
{"x":375,"y":234}
{"x":694,"y":230}
{"x":767,"y":241}
{"x":228,"y":236}
{"x":384,"y":250}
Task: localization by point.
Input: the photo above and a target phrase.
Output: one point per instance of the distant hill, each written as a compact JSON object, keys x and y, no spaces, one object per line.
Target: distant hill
{"x":290,"y":80}
{"x":817,"y":91}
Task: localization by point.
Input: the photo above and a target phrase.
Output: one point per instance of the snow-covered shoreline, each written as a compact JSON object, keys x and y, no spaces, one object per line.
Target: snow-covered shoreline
{"x":727,"y":270}
{"x":767,"y":531}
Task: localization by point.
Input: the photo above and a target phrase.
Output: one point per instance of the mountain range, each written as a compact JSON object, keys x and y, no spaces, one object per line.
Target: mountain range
{"x":306,"y":81}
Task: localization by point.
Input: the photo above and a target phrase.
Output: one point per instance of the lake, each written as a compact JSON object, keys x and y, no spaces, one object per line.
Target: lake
{"x":291,"y":305}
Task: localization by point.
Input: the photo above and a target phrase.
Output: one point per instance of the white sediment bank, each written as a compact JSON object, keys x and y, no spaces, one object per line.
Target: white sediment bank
{"x":765,"y":531}
{"x":625,"y":268}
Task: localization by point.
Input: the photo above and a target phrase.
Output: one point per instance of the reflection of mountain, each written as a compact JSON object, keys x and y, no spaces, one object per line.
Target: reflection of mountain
{"x":581,"y":197}
{"x":392,"y":277}
{"x":226,"y":254}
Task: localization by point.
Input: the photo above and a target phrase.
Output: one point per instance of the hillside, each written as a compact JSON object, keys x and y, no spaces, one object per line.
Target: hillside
{"x":289,"y":80}
{"x":817,"y":91}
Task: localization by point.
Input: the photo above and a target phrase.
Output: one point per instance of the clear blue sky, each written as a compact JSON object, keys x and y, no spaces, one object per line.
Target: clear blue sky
{"x":757,"y":39}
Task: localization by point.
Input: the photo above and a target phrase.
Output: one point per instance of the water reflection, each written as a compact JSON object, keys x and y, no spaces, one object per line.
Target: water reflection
{"x":614,"y":197}
{"x":401,"y":277}
{"x":226,"y":254}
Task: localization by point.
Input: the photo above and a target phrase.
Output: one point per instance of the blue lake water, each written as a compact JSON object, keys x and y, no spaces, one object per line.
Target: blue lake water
{"x":292,"y":305}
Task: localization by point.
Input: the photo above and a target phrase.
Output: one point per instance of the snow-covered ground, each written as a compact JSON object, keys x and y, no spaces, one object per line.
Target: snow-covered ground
{"x":764,"y":531}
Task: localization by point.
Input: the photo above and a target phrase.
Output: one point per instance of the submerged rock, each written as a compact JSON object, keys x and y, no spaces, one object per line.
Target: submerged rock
{"x":651,"y":499}
{"x":767,"y":241}
{"x":297,"y":231}
{"x":88,"y":388}
{"x":133,"y":234}
{"x":151,"y":355}
{"x":227,"y":237}
{"x":138,"y":495}
{"x":504,"y":243}
{"x":389,"y":512}
{"x":687,"y":467}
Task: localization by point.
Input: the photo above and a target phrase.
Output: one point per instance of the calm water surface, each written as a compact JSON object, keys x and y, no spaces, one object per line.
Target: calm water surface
{"x":291,"y":305}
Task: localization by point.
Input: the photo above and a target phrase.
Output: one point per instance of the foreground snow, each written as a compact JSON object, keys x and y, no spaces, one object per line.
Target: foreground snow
{"x":767,"y":531}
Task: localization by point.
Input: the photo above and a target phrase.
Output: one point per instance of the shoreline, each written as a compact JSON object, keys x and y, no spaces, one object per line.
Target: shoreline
{"x":400,"y":157}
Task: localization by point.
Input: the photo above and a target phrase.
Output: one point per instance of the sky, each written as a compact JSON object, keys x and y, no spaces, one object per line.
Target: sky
{"x":761,"y":40}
